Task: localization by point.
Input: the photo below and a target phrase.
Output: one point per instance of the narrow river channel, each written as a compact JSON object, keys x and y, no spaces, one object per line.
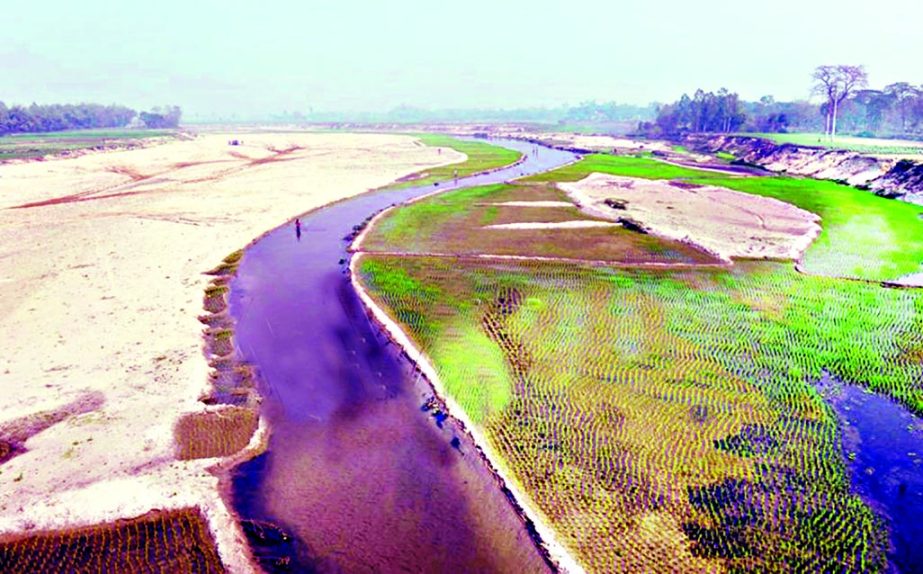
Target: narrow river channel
{"x":363,"y":478}
{"x":883,"y":443}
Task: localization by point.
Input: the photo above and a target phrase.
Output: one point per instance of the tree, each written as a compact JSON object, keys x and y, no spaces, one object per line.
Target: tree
{"x":876,"y":103}
{"x":836,"y":83}
{"x":904,"y":95}
{"x":160,"y":118}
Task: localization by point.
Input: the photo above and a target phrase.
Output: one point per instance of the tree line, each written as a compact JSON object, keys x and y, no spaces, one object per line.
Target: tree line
{"x":847,"y":105}
{"x":589,"y":112}
{"x":59,"y":117}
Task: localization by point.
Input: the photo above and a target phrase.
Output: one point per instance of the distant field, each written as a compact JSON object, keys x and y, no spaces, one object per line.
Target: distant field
{"x":29,"y":146}
{"x":864,"y":236}
{"x":851,"y":143}
{"x":481,"y":157}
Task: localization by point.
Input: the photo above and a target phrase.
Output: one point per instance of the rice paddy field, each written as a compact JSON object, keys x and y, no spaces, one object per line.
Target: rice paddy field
{"x":667,"y":419}
{"x":32,"y":146}
{"x":160,"y":541}
{"x":455,"y":223}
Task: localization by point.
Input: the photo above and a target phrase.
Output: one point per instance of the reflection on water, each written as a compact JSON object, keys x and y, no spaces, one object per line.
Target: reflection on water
{"x":364,"y":479}
{"x":883,"y":443}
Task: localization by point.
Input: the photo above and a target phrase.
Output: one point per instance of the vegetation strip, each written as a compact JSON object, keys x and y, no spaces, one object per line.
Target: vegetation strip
{"x":482,"y":158}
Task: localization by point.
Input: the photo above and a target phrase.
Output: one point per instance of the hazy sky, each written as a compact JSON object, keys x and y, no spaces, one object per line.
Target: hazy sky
{"x":217,"y":57}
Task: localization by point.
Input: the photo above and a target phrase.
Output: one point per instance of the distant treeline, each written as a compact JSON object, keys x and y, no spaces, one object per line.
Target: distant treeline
{"x":586,"y":112}
{"x":59,"y":117}
{"x":895,"y":110}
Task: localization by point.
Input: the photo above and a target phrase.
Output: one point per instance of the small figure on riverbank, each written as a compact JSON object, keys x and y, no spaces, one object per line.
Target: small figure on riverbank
{"x":298,"y":228}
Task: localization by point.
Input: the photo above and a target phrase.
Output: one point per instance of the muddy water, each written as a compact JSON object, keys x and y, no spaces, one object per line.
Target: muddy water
{"x":363,"y":477}
{"x":883,"y":443}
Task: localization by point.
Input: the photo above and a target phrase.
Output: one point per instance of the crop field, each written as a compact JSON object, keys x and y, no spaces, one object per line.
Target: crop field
{"x":160,"y":541}
{"x":875,"y":146}
{"x":455,"y":223}
{"x":665,"y":420}
{"x":864,"y":236}
{"x":481,"y":157}
{"x":30,"y":146}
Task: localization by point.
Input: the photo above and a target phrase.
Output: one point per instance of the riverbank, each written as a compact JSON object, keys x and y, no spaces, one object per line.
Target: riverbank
{"x":102,"y":273}
{"x":889,"y":176}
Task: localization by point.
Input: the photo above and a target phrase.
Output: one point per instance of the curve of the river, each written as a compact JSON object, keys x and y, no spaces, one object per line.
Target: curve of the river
{"x":362,"y":477}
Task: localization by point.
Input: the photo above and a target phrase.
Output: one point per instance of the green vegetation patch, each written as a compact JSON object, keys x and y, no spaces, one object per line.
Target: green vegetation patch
{"x":863,"y":235}
{"x":666,"y":420}
{"x":30,"y":146}
{"x":848,"y":143}
{"x":481,"y":157}
{"x":454,"y":223}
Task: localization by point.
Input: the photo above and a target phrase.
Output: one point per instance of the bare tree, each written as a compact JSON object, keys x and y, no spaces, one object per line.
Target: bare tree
{"x":836,"y":83}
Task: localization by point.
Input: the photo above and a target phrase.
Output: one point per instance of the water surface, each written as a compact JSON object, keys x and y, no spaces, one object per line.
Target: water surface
{"x":883,"y":443}
{"x":363,"y":477}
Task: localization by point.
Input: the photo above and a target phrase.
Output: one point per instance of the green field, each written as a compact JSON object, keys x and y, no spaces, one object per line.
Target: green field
{"x":454,"y":223}
{"x":850,"y":143}
{"x":864,"y":236}
{"x":481,"y":157}
{"x":30,"y":146}
{"x":667,"y":420}
{"x":627,"y":401}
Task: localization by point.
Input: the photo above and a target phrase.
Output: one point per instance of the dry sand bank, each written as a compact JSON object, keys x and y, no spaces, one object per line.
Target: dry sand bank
{"x":101,"y":282}
{"x":725,"y":222}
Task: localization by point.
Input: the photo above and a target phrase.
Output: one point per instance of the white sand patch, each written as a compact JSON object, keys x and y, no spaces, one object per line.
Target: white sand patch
{"x":580,"y":224}
{"x":726,"y":222}
{"x":912,"y":280}
{"x":100,"y":294}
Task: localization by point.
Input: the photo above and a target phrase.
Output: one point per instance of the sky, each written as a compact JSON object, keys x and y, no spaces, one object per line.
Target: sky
{"x":240,"y":59}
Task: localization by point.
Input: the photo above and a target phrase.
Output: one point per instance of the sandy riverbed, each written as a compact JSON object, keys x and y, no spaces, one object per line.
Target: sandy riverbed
{"x":728,"y":223}
{"x":101,"y":282}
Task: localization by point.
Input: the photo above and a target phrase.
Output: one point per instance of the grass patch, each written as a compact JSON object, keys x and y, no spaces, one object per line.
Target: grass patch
{"x":481,"y":157}
{"x":863,"y":235}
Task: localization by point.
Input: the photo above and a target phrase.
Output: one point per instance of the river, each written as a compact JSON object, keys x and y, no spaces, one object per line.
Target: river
{"x":361,"y":476}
